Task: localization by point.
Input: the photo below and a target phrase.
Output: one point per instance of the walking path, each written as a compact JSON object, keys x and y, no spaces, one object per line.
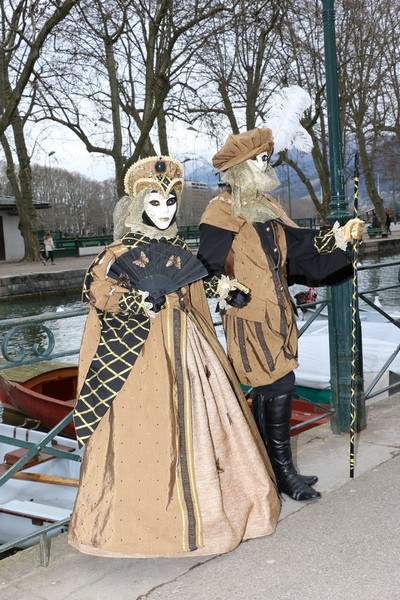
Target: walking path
{"x":71,"y":263}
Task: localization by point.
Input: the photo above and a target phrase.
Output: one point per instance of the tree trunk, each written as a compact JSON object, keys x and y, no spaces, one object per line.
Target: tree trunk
{"x":22,"y":189}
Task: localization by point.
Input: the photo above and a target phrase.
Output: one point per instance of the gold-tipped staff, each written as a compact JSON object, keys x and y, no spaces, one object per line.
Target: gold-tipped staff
{"x":354,"y":321}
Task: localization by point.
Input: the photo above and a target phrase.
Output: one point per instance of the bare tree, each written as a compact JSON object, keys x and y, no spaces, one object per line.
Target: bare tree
{"x":129,"y":57}
{"x":78,"y":205}
{"x":25,"y":28}
{"x":236,"y":68}
{"x":370,"y":55}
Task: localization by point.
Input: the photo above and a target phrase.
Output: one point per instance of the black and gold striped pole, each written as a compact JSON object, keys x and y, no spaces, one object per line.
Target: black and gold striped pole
{"x":354,"y":337}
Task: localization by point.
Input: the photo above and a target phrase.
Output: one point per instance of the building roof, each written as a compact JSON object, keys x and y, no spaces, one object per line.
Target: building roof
{"x":9,"y":203}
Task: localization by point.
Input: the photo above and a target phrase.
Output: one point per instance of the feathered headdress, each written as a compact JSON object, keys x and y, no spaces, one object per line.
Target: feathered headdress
{"x":284,"y":111}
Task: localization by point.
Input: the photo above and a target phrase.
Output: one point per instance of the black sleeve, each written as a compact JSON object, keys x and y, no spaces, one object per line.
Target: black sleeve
{"x":214,"y":246}
{"x":308,"y":266}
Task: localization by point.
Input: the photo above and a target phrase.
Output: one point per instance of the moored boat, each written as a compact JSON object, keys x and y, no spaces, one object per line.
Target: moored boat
{"x":42,"y":492}
{"x":47,"y":398}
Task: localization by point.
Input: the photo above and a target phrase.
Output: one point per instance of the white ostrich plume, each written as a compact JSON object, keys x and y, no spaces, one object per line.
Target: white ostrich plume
{"x":284,"y":111}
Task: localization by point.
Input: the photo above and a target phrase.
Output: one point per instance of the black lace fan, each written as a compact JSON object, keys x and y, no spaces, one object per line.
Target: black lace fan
{"x":157,"y":267}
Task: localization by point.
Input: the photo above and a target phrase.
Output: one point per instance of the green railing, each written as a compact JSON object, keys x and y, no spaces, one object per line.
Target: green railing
{"x":70,"y":246}
{"x":190,"y":234}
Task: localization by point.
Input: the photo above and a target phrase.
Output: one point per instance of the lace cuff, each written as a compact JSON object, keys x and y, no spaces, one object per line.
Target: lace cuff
{"x":219,"y":287}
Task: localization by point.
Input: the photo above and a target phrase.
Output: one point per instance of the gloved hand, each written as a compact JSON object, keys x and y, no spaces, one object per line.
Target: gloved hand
{"x":353,"y":230}
{"x":237,"y":299}
{"x":157,"y":299}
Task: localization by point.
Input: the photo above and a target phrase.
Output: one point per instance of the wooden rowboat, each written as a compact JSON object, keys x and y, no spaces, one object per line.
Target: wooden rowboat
{"x":47,"y":398}
{"x":41,"y":493}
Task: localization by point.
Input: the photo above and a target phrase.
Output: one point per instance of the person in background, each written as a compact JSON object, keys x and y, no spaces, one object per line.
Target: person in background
{"x":173,"y":462}
{"x":375,"y":220}
{"x":253,"y":251}
{"x":387,"y":223}
{"x":49,"y":247}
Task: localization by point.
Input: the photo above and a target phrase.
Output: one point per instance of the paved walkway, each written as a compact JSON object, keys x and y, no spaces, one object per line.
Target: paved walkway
{"x":343,"y":547}
{"x":72,"y":263}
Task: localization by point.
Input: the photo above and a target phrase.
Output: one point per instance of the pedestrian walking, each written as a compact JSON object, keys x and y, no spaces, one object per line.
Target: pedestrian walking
{"x":387,"y":224}
{"x":49,"y":247}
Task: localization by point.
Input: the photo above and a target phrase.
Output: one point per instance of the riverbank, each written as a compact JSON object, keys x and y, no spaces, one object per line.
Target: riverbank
{"x":18,"y":279}
{"x":379,"y":247}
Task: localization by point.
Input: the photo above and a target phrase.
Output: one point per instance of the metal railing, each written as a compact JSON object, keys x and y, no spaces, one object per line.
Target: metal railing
{"x":365,"y":296}
{"x":32,"y":449}
{"x":16,"y":354}
{"x":370,"y":391}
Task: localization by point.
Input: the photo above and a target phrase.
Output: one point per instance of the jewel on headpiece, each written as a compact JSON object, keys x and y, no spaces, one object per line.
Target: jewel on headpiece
{"x":160,"y":173}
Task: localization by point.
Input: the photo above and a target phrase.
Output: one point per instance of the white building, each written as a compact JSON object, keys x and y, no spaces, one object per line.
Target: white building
{"x":12,"y":246}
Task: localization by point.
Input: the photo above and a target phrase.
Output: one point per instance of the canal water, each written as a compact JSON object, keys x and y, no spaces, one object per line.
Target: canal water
{"x":68,"y":332}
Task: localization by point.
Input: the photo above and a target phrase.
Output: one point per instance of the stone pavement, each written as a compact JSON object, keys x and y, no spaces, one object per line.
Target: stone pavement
{"x":344,"y":546}
{"x":71,"y":263}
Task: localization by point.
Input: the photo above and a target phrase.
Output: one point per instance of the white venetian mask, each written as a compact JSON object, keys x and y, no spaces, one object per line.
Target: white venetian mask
{"x":260,"y":163}
{"x":160,"y":210}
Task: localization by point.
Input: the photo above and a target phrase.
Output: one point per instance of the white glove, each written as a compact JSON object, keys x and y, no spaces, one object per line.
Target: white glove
{"x":226,"y":285}
{"x":353,"y":230}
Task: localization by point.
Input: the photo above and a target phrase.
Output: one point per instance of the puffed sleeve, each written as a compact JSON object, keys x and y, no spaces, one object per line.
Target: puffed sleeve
{"x":104,"y":293}
{"x":313,"y":257}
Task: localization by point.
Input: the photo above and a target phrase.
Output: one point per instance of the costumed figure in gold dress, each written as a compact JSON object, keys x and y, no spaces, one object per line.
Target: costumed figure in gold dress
{"x":253,"y":251}
{"x":173,"y":462}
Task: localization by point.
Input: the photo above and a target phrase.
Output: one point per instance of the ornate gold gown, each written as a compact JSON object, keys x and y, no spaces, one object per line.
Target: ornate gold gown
{"x":175,"y":466}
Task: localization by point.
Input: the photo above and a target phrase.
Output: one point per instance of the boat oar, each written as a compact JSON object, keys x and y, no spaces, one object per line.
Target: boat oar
{"x":42,"y":478}
{"x":354,"y":308}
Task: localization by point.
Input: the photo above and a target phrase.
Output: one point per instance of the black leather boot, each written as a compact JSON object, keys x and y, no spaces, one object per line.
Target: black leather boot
{"x":272,"y":416}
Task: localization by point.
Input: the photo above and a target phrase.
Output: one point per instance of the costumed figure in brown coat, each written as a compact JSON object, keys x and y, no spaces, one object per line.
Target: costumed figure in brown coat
{"x":253,"y":251}
{"x":173,"y":463}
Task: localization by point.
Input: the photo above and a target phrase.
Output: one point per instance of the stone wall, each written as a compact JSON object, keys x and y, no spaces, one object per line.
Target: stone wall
{"x":40,"y":283}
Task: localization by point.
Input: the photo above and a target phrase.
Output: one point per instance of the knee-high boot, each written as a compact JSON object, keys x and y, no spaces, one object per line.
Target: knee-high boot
{"x":258,"y":410}
{"x":272,"y":416}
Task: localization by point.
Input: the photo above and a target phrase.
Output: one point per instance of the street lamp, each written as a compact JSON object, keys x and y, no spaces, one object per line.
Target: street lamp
{"x":49,"y":155}
{"x":187,"y":159}
{"x":340,"y":321}
{"x":338,"y":202}
{"x":289,"y":190}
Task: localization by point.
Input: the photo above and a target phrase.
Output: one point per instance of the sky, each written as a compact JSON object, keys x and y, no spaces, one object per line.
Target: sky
{"x":59,"y":148}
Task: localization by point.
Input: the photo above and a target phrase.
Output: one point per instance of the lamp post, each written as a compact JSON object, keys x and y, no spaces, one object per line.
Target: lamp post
{"x":289,"y":190}
{"x":50,"y":154}
{"x":340,"y":323}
